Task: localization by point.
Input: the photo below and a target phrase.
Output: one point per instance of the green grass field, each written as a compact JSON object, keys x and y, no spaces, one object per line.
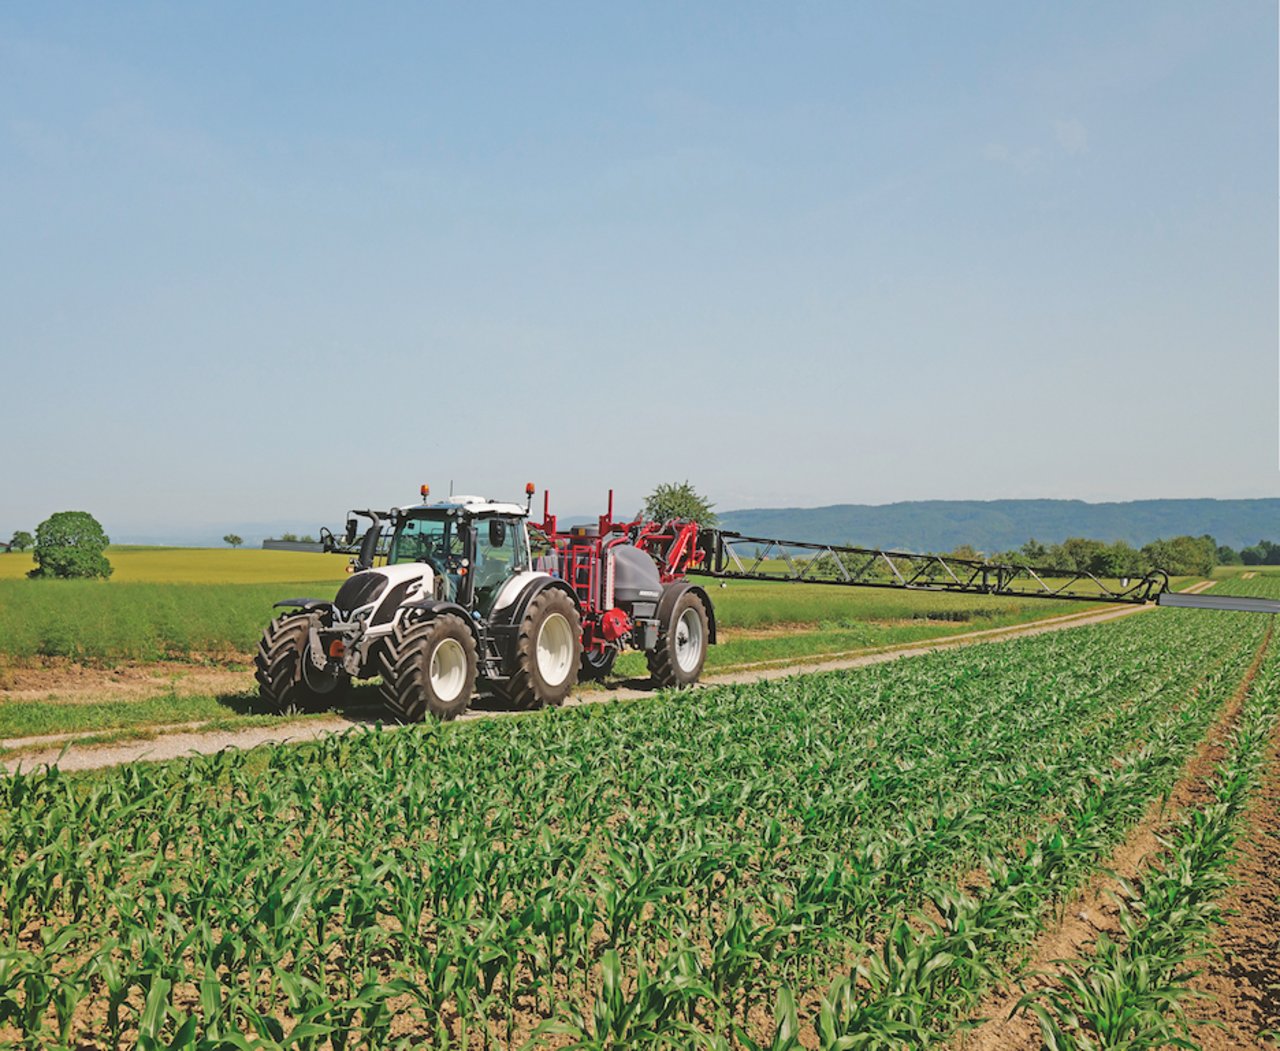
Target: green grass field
{"x":118,"y":718}
{"x":137,"y":620}
{"x":161,"y":602}
{"x":757,"y":604}
{"x":92,"y":620}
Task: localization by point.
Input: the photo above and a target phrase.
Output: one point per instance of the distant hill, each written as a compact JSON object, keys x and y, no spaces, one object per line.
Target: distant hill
{"x":1001,"y":525}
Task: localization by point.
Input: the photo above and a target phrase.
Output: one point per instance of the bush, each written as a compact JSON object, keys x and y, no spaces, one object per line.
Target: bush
{"x":71,"y":544}
{"x":681,"y":502}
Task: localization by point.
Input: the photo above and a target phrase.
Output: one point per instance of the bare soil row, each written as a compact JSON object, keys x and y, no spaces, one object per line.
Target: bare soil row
{"x":1242,"y":986}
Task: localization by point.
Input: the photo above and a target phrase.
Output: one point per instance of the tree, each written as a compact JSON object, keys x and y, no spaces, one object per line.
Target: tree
{"x":1034,"y":552}
{"x":1229,"y":556}
{"x":21,"y":540}
{"x":1082,"y":554}
{"x":233,"y":540}
{"x":1120,"y":560}
{"x":71,"y":544}
{"x":1263,"y":553}
{"x":1199,"y":553}
{"x":681,"y":501}
{"x":1183,"y":555}
{"x":1055,"y":558}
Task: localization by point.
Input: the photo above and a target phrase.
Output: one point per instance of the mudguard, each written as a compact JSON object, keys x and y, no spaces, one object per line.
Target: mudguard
{"x":514,"y":613}
{"x":307,"y":605}
{"x":506,"y":623}
{"x":436,"y":607}
{"x":671,"y":595}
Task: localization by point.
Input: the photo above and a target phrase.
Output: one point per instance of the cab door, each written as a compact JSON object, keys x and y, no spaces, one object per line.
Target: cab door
{"x":502,"y":551}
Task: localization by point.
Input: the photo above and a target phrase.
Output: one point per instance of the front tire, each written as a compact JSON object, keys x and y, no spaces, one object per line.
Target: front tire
{"x":548,"y":652}
{"x":681,"y":652}
{"x":287,"y":680}
{"x":429,"y":668}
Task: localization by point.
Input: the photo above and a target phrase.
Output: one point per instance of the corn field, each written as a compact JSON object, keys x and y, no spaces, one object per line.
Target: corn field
{"x":846,"y":860}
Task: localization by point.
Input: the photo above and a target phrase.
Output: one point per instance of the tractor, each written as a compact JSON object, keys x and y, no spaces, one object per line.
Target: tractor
{"x":447,"y":596}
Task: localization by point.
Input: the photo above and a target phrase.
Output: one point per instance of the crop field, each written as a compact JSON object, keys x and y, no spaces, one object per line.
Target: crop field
{"x":845,"y":860}
{"x":202,"y":565}
{"x":159,"y":603}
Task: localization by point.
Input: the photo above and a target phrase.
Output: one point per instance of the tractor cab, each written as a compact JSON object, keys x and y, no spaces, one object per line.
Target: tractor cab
{"x":473,"y":546}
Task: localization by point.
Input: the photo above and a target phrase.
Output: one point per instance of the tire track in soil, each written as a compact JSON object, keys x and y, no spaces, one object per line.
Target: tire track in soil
{"x":1092,"y":909}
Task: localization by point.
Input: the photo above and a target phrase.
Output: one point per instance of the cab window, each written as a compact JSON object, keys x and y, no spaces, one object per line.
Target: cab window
{"x":502,"y":550}
{"x":424,"y":539}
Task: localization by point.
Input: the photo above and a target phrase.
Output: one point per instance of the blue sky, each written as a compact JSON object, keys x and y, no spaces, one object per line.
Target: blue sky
{"x":266,"y":262}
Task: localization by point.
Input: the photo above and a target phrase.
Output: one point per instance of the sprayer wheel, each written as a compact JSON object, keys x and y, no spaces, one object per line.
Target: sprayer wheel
{"x":681,"y":652}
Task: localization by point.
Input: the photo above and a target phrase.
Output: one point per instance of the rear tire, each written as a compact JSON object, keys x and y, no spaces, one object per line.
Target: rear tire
{"x":429,"y":668}
{"x":548,"y":652}
{"x":287,"y":680}
{"x":681,"y":652}
{"x":596,"y":665}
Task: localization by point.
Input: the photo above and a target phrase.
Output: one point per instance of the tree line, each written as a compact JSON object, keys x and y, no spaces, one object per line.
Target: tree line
{"x":1179,"y":556}
{"x":1263,"y":553}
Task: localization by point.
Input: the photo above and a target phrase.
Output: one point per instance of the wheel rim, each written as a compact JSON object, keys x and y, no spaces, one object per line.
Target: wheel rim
{"x":448,"y":671}
{"x":555,"y":649}
{"x":318,"y":680}
{"x":689,"y":640}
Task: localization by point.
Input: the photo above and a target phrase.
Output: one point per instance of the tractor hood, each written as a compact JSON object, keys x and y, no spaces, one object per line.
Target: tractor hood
{"x":378,"y":593}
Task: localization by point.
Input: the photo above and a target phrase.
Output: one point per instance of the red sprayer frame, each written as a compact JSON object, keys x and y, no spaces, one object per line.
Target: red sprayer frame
{"x":581,"y":554}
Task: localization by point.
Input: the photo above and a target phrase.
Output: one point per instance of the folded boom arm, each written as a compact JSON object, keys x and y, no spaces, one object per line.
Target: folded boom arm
{"x":733,"y":556}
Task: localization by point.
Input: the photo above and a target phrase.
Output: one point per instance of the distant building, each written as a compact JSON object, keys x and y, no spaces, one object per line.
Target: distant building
{"x":293,"y":545}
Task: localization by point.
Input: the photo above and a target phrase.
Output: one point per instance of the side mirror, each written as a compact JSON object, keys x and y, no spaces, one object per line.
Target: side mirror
{"x":497,"y":533}
{"x":350,"y":537}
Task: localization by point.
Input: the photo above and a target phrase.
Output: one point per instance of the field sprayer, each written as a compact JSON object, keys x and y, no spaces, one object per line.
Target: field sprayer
{"x":470,"y":589}
{"x":467,"y":589}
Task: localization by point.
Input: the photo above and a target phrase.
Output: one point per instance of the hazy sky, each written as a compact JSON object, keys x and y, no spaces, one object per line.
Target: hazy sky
{"x":266,"y":262}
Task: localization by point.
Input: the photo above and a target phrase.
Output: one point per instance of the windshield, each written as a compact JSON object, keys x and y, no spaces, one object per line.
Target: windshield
{"x":425,"y":539}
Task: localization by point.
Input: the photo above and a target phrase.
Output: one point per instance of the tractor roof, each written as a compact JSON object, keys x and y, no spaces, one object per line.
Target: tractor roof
{"x":470,"y":505}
